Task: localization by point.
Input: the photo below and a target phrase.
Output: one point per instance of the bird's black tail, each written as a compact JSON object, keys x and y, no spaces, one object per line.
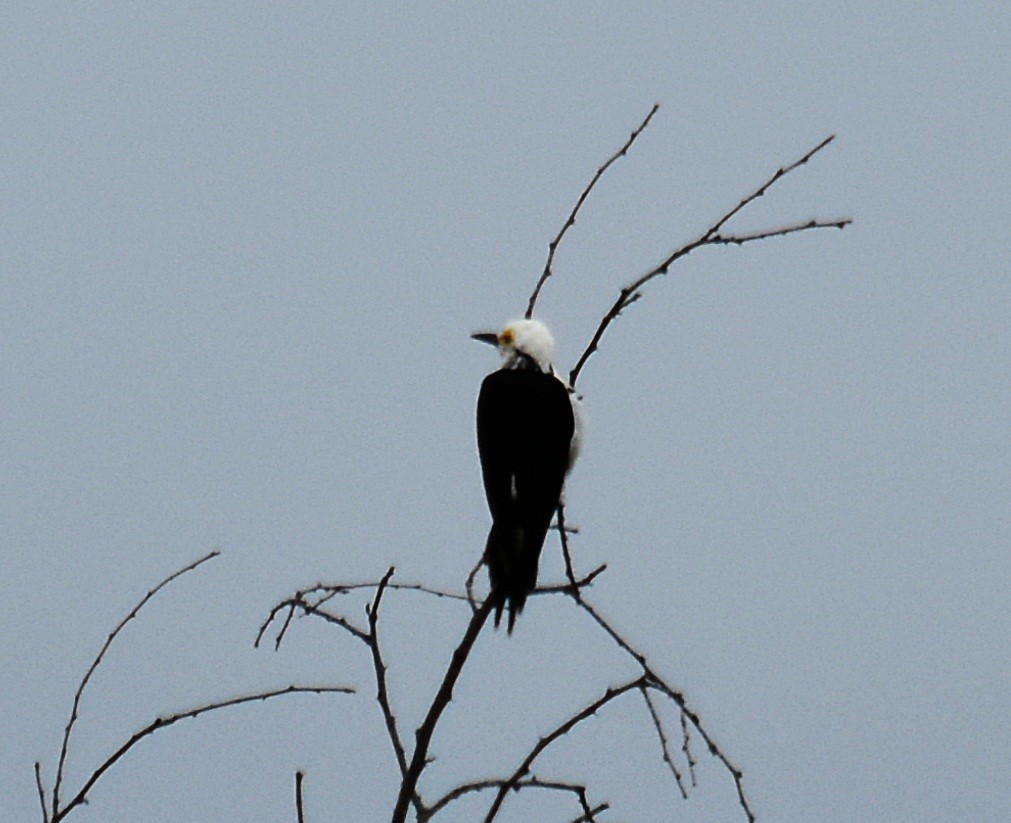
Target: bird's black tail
{"x":512,"y":553}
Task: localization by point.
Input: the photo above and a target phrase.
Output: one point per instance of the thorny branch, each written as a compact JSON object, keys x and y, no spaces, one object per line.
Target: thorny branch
{"x":710,"y":237}
{"x":524,"y":768}
{"x":58,"y":811}
{"x":164,"y":722}
{"x":310,"y":600}
{"x":410,"y":771}
{"x":664,"y":743}
{"x":570,"y":221}
{"x":423,"y":736}
{"x":657,"y":683}
{"x":75,"y":710}
{"x":382,"y":695}
{"x":532,"y":782}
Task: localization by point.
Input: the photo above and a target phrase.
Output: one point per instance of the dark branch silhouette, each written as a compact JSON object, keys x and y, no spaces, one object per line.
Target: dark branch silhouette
{"x":75,"y":710}
{"x":42,"y":792}
{"x":533,"y":782}
{"x":299,"y":813}
{"x":524,"y":768}
{"x":570,"y":221}
{"x":710,"y":237}
{"x":664,"y":743}
{"x":169,"y":720}
{"x":423,"y":736}
{"x":59,"y":810}
{"x":382,"y":696}
{"x":588,"y":817}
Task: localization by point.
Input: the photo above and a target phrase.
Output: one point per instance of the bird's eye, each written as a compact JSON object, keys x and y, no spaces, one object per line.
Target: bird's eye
{"x":506,"y":338}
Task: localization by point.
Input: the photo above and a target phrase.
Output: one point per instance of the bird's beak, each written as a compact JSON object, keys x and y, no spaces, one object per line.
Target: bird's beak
{"x":486,"y":337}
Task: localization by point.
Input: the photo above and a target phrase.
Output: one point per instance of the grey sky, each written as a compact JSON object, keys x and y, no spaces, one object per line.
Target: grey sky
{"x":242,"y":251}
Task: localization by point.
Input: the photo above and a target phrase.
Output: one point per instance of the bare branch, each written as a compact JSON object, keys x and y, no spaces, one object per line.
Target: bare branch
{"x":42,"y":792}
{"x":423,"y":736}
{"x":572,"y":588}
{"x":686,"y":746}
{"x":298,"y":601}
{"x":163,"y":722}
{"x":524,"y":768}
{"x":469,"y":585}
{"x":529,"y":783}
{"x":382,"y":695}
{"x":299,"y":777}
{"x":326,"y":591}
{"x":664,"y":744}
{"x":653,"y":680}
{"x":344,"y":588}
{"x":74,"y":712}
{"x":761,"y":190}
{"x":588,"y":817}
{"x":710,"y":237}
{"x":553,"y":245}
{"x":793,"y":228}
{"x":564,"y":537}
{"x":714,"y":749}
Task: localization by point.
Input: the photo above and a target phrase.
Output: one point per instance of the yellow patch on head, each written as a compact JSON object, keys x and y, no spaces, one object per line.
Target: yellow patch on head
{"x":507,"y":337}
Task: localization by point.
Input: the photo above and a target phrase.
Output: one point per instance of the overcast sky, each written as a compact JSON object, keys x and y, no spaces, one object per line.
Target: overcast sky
{"x":242,"y":250}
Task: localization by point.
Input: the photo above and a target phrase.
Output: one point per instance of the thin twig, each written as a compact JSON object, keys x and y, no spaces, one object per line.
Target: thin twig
{"x":686,"y":746}
{"x":655,"y":681}
{"x":423,"y":736}
{"x":524,"y":768}
{"x":589,"y":816}
{"x":325,"y":592}
{"x":570,"y":588}
{"x":382,"y":695}
{"x":74,"y":712}
{"x":296,"y":602}
{"x":780,"y":231}
{"x":664,"y":743}
{"x":710,"y":237}
{"x":42,"y":792}
{"x":469,"y":585}
{"x":299,"y":777}
{"x":780,"y":173}
{"x":529,"y":783}
{"x":564,"y":537}
{"x":553,"y":245}
{"x":163,"y":722}
{"x":329,"y":590}
{"x":714,"y":749}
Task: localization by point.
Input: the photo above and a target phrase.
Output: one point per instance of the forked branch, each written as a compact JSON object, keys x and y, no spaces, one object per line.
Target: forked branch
{"x":169,"y":720}
{"x":56,"y":810}
{"x":564,"y":728}
{"x":75,"y":709}
{"x":710,"y":237}
{"x":532,"y":782}
{"x":423,"y":736}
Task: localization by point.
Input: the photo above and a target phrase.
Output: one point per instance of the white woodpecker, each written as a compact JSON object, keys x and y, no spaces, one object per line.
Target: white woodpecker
{"x":528,"y":427}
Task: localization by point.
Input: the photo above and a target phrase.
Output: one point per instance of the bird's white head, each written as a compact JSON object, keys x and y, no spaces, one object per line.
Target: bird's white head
{"x":523,"y":340}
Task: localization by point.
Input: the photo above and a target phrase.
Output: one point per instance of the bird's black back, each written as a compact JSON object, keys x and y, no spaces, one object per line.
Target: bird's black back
{"x":524,"y":433}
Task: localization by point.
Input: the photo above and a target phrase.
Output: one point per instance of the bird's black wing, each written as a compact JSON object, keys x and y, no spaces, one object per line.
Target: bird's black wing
{"x":524,"y":431}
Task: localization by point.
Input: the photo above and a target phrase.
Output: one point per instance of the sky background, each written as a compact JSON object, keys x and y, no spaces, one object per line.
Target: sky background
{"x":242,"y":247}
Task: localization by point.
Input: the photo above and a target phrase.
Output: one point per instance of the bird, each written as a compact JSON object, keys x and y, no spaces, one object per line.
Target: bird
{"x":528,"y":437}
